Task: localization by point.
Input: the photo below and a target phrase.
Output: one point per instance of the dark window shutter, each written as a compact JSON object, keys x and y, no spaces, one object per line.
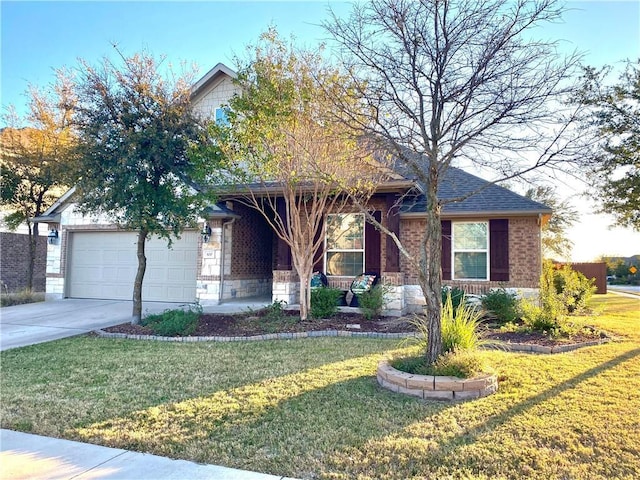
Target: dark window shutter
{"x":499,"y":250}
{"x":446,"y":249}
{"x":318,"y":258}
{"x":372,"y":246}
{"x":393,"y":224}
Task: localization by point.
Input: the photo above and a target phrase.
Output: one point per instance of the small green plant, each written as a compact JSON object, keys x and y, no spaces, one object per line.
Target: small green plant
{"x":460,"y":326}
{"x":501,"y":305}
{"x":324,"y":302}
{"x":20,"y":298}
{"x":372,"y":301}
{"x":457,"y":296}
{"x":171,"y":323}
{"x":275,"y":311}
{"x":458,"y":363}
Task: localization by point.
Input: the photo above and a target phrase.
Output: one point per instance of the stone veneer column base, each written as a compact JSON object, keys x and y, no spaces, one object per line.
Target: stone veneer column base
{"x":286,"y":287}
{"x":433,"y":387}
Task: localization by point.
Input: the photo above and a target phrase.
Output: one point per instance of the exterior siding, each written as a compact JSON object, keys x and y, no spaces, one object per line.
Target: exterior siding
{"x":215,"y":96}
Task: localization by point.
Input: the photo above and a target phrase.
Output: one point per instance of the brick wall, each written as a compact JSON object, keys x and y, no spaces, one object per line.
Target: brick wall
{"x":251,"y":245}
{"x":14,"y":263}
{"x":524,"y":254}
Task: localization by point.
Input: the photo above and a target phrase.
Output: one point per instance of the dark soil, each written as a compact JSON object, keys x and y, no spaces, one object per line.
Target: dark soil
{"x":258,"y":323}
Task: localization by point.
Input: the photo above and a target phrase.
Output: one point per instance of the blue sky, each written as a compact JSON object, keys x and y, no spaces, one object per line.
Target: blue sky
{"x":38,"y":37}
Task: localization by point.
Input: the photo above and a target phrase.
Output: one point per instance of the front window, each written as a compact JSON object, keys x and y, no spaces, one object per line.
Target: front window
{"x":470,"y":250}
{"x":345,"y":244}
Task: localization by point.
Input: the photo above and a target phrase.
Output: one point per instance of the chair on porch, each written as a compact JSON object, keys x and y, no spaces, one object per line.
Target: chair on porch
{"x":362,"y":283}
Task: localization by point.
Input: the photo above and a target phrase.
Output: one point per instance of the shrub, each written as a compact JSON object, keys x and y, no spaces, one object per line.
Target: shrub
{"x":372,"y":301}
{"x":556,"y":301}
{"x":503,"y":305}
{"x":324,"y":302}
{"x":20,"y":298}
{"x":537,"y":318}
{"x":172,"y":323}
{"x":574,"y":288}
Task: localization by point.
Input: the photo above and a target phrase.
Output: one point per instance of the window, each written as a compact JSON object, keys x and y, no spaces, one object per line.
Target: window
{"x":470,"y":252}
{"x":221,"y":116}
{"x":345,"y":244}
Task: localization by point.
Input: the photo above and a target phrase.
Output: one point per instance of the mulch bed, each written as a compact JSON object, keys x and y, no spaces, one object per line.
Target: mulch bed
{"x":255,"y":323}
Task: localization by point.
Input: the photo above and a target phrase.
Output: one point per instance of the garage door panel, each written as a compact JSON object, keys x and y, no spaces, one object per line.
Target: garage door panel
{"x":104,"y":265}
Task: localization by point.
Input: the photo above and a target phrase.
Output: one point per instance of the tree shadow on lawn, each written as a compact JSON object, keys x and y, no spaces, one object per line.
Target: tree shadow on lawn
{"x":331,"y":418}
{"x":286,"y":425}
{"x":415,"y":452}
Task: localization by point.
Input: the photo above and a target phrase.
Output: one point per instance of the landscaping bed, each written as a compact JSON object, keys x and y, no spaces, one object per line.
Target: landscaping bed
{"x":258,"y":323}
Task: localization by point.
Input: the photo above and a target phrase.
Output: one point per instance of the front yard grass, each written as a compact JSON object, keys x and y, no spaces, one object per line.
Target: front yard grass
{"x":311,"y":408}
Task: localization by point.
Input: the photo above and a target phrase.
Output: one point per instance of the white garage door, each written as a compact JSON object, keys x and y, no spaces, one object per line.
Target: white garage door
{"x":104,"y":264}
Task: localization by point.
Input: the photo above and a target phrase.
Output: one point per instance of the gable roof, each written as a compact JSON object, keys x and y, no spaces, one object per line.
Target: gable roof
{"x":490,"y":199}
{"x":213,"y":75}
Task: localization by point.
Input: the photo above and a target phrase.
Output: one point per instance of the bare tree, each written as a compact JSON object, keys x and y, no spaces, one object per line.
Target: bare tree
{"x":457,"y":82}
{"x":296,"y":162}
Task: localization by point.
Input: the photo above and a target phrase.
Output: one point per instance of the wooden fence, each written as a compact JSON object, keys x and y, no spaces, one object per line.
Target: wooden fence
{"x":596,"y":271}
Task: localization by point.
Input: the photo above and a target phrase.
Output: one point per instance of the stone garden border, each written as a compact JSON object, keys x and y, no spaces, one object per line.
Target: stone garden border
{"x":433,"y":387}
{"x":512,"y":347}
{"x":268,"y":336}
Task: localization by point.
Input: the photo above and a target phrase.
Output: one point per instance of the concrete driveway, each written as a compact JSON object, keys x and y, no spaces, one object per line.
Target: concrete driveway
{"x":22,"y":325}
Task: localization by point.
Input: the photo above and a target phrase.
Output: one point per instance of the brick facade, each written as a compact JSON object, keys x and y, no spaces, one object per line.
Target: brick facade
{"x":14,"y":263}
{"x":252,"y":245}
{"x":524,"y":255}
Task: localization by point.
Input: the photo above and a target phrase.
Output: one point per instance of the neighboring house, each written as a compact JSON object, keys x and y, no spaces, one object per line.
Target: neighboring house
{"x":490,"y":239}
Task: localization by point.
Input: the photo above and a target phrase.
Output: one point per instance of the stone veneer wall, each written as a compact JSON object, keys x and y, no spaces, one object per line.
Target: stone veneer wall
{"x":286,"y":287}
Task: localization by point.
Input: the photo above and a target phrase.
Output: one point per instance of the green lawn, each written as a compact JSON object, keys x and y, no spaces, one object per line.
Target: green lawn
{"x":311,"y":408}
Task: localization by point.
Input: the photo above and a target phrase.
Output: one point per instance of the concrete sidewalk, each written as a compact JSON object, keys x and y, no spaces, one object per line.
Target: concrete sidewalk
{"x":26,"y":456}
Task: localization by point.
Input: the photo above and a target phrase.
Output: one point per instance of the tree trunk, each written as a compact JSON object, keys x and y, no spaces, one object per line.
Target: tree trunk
{"x":305,"y":296}
{"x":430,"y":276}
{"x":136,"y":316}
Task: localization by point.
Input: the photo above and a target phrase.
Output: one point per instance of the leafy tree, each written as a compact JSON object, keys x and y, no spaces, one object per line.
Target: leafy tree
{"x":34,"y":153}
{"x":136,"y":129}
{"x":457,"y":82}
{"x":554,"y":232}
{"x":614,"y":117}
{"x":293,"y":156}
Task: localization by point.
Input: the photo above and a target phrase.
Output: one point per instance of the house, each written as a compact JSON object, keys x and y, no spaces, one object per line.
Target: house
{"x":490,"y":239}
